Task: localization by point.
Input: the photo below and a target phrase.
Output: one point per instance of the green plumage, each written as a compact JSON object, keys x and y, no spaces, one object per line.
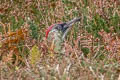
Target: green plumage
{"x":55,"y":37}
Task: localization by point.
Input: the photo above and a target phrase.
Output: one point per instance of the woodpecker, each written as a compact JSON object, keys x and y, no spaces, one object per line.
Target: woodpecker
{"x":56,"y":33}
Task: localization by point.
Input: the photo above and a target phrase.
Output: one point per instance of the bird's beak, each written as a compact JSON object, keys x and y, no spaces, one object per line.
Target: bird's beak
{"x":69,"y":25}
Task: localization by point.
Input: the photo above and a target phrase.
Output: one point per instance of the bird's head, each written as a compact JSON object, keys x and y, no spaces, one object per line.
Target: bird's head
{"x":56,"y":33}
{"x":61,"y":27}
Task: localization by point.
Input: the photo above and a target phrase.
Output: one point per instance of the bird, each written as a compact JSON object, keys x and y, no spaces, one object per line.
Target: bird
{"x":56,"y":33}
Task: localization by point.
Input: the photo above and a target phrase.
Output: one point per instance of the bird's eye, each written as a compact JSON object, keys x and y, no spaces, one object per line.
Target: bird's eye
{"x":61,"y":27}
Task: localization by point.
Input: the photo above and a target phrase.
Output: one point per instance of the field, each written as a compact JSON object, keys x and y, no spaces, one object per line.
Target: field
{"x":92,"y":47}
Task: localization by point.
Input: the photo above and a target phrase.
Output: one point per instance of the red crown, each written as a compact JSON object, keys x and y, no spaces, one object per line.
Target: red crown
{"x":48,"y":30}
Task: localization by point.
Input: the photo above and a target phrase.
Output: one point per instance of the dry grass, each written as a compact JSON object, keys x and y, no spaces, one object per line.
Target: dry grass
{"x":92,"y":46}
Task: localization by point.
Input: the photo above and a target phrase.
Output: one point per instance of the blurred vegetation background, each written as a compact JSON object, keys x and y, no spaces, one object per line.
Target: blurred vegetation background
{"x":92,"y":46}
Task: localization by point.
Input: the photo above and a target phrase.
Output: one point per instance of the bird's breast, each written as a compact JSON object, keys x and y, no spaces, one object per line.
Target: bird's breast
{"x":55,"y":40}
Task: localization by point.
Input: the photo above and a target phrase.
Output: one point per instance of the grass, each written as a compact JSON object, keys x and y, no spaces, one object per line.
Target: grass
{"x":92,"y":46}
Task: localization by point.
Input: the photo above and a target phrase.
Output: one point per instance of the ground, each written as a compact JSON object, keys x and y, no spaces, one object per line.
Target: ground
{"x":92,"y":46}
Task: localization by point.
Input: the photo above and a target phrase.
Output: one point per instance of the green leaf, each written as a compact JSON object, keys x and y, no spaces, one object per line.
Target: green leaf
{"x":34,"y":54}
{"x":85,"y":51}
{"x":34,"y":30}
